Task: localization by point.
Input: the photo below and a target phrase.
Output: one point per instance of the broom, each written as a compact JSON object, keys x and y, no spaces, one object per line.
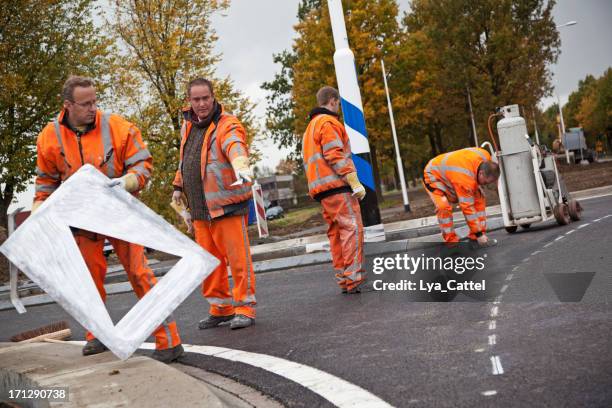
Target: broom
{"x":53,"y":331}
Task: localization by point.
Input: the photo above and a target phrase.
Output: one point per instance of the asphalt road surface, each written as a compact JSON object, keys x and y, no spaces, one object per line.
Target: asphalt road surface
{"x":543,"y":338}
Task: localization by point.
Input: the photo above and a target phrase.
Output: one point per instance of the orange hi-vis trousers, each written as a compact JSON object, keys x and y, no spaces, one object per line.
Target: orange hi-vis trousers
{"x":227,"y":239}
{"x":345,"y":232}
{"x":444,"y":212}
{"x":140,"y":275}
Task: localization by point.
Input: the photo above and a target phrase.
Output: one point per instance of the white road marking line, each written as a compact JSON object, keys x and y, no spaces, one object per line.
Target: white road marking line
{"x":515,"y":268}
{"x":503,"y":288}
{"x":606,"y":216}
{"x":492,"y":325}
{"x":570,"y":231}
{"x":597,"y":220}
{"x":494,"y":311}
{"x":584,"y":225}
{"x":496,"y":365}
{"x":560,"y":237}
{"x":525,"y":260}
{"x":509,"y":277}
{"x":535,"y":253}
{"x":479,"y":350}
{"x":492,"y":339}
{"x":334,"y":389}
{"x":489,"y":393}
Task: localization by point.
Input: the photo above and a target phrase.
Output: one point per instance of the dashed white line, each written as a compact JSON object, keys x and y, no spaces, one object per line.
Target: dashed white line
{"x":525,"y":260}
{"x":560,"y":237}
{"x":503,"y":288}
{"x":479,"y":350}
{"x":509,"y":277}
{"x":489,"y":393}
{"x":570,"y":231}
{"x":497,"y":368}
{"x":494,"y":311}
{"x":606,"y":216}
{"x":492,"y":325}
{"x":492,"y":339}
{"x":547,"y":245}
{"x":584,"y":225}
{"x":535,"y":253}
{"x":597,"y":220}
{"x":515,"y":268}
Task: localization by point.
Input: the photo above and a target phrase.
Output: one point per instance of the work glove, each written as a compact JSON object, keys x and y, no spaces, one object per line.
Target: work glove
{"x":35,"y":206}
{"x":177,"y":197}
{"x":183,"y":212}
{"x":129,"y":182}
{"x":242,"y":169}
{"x":358,"y":189}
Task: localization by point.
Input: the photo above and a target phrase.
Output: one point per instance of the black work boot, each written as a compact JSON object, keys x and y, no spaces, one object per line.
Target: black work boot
{"x":213,"y":321}
{"x":168,"y":355}
{"x":94,"y":346}
{"x":241,"y":321}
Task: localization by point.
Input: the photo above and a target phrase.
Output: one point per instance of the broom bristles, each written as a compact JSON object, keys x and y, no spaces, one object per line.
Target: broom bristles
{"x":51,"y":328}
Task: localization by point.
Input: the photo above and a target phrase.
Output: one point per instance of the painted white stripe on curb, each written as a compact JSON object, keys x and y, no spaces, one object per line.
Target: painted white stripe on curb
{"x":334,"y":389}
{"x":496,"y":365}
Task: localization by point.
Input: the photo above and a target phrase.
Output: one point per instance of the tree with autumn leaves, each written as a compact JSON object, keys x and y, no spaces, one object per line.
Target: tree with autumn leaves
{"x":499,"y":51}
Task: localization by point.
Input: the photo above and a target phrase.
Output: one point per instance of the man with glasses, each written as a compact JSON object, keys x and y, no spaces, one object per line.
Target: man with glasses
{"x":81,"y":134}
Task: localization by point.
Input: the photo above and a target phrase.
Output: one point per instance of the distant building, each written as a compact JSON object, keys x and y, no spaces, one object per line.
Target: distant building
{"x":279,"y":190}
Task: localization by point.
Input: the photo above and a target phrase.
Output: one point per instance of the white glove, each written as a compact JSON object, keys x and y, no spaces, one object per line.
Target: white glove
{"x":242,"y":170}
{"x":129,"y":182}
{"x":188,"y":221}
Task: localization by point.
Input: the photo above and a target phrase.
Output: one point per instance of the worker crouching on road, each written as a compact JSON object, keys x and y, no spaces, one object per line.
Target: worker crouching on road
{"x":332,"y":180}
{"x":214,"y":177}
{"x":456,"y":177}
{"x":83,"y":134}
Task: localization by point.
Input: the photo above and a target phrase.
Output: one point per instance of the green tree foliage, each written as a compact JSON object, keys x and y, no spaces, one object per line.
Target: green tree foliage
{"x":161,"y":47}
{"x":501,"y":50}
{"x":372,"y":30}
{"x":595,"y":113}
{"x":42,"y":42}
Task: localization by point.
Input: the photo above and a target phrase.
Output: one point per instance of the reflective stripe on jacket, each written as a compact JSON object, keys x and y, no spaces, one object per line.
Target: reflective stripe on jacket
{"x":223,"y":143}
{"x":327,"y":154}
{"x":455,"y":173}
{"x":114,"y":146}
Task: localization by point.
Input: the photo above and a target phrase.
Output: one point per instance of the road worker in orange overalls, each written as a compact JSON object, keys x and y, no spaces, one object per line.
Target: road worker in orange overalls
{"x":214,"y":182}
{"x":456,"y":177}
{"x":81,"y":134}
{"x":332,"y":180}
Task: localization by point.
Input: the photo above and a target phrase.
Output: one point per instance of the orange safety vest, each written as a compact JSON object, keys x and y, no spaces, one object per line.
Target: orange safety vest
{"x":223,"y":142}
{"x":327,"y":154}
{"x":455,"y":174}
{"x":114,"y":146}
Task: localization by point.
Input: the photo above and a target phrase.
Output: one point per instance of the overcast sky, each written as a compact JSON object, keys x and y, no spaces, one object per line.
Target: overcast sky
{"x":250,"y":31}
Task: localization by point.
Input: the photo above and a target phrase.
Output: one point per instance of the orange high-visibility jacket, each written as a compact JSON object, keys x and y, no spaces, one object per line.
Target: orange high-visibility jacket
{"x":455,"y":173}
{"x":327,"y":154}
{"x":223,"y":142}
{"x":114,"y":146}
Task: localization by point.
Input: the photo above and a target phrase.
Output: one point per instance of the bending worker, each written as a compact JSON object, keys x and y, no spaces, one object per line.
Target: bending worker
{"x":215,"y":178}
{"x":456,"y":177}
{"x":83,"y":134}
{"x":332,"y":180}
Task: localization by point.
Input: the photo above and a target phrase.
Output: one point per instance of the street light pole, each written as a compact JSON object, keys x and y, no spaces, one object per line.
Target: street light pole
{"x":400,"y":165}
{"x":569,"y":23}
{"x":467,"y":88}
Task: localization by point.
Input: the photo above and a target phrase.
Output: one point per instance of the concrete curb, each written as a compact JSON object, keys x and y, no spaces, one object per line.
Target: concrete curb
{"x":292,"y":253}
{"x":101,"y":379}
